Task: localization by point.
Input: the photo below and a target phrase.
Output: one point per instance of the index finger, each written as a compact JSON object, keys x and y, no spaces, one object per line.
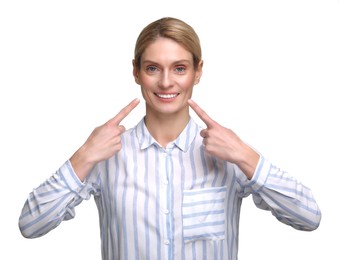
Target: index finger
{"x":201,"y":113}
{"x":124,"y":112}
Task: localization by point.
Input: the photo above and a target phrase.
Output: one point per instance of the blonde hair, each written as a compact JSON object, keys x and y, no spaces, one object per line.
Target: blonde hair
{"x":171,"y":28}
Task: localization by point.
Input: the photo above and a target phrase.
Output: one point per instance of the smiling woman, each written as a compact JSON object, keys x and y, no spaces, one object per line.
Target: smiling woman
{"x":167,"y":188}
{"x":167,"y":64}
{"x":167,"y":75}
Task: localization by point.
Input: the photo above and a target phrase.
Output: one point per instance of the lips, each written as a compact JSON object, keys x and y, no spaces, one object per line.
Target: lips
{"x":167,"y":96}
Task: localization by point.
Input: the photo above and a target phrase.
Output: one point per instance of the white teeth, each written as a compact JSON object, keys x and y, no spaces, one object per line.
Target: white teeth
{"x":167,"y":95}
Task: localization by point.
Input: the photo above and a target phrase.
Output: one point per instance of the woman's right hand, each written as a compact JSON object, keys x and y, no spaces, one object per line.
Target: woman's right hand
{"x":104,"y":142}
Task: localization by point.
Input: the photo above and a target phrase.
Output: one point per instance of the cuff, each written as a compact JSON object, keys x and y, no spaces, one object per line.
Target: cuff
{"x":70,"y":178}
{"x":260,"y":174}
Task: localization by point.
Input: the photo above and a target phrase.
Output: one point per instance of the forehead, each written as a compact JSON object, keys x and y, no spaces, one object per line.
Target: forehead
{"x":165,"y":49}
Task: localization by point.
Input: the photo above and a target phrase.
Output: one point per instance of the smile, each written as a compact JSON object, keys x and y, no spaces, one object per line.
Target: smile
{"x":167,"y":96}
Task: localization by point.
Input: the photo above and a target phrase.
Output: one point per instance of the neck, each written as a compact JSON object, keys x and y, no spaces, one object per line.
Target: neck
{"x":166,"y":128}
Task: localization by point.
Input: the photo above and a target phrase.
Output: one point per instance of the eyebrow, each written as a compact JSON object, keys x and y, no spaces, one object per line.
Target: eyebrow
{"x":175,"y":62}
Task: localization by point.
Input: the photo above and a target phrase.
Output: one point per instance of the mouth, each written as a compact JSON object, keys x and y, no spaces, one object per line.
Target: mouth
{"x":167,"y":96}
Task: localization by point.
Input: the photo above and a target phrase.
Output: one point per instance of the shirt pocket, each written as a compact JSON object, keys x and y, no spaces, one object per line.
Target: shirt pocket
{"x":203,"y":214}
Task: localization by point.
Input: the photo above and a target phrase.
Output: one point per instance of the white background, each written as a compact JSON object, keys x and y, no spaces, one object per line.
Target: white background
{"x":271,"y":74}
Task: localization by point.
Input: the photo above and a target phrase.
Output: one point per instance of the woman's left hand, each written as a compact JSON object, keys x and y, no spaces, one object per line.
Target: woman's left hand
{"x":224,"y":144}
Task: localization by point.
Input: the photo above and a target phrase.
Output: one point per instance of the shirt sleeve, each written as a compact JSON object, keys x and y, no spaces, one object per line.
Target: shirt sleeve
{"x":290,"y":201}
{"x":54,"y":201}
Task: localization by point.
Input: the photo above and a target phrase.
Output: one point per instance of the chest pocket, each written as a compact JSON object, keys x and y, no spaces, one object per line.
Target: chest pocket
{"x":203,"y":213}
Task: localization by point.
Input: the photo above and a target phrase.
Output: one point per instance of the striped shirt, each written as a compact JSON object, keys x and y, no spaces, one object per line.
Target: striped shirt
{"x":172,"y":203}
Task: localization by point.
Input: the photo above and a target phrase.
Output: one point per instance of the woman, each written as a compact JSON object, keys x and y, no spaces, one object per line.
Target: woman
{"x":167,"y":189}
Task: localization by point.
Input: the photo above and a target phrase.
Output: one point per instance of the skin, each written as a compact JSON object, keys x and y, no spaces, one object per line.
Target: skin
{"x":224,"y":144}
{"x":166,"y":69}
{"x":104,"y":142}
{"x":166,"y":77}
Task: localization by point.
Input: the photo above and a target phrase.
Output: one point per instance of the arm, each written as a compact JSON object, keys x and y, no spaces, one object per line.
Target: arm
{"x":54,"y":200}
{"x":290,"y":201}
{"x":273,"y":189}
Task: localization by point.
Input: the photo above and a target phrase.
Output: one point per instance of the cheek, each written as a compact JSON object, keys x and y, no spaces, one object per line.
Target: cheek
{"x":147,"y":82}
{"x":186,"y":83}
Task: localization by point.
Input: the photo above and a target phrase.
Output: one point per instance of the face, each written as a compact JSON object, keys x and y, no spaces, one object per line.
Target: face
{"x":167,"y":77}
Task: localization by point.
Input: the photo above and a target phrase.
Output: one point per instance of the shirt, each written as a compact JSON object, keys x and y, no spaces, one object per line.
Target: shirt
{"x":168,"y":203}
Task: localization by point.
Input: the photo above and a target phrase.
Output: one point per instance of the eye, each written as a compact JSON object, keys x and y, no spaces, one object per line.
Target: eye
{"x":180,"y":69}
{"x":151,"y":69}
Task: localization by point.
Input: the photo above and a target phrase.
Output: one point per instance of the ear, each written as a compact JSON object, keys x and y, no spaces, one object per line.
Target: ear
{"x":135,"y":73}
{"x":198,"y":72}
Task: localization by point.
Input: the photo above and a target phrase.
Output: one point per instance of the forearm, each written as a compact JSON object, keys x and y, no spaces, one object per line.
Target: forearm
{"x":289,"y":200}
{"x":50,"y":203}
{"x":81,"y":163}
{"x":248,"y":160}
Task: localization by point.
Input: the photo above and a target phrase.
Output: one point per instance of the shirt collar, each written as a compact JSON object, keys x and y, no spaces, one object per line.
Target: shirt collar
{"x":183,"y":141}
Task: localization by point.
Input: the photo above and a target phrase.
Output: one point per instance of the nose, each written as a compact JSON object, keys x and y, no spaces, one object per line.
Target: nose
{"x":165,"y":80}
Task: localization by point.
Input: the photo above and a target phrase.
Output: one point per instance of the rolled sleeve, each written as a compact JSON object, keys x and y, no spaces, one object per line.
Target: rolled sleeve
{"x":70,"y":178}
{"x":260,"y":175}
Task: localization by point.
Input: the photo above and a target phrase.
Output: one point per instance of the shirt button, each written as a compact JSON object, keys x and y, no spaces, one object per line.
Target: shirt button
{"x":166,"y":211}
{"x":166,"y":242}
{"x":165,"y":182}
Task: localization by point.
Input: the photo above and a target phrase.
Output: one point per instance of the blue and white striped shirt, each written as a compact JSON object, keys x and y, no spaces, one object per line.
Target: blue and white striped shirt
{"x":172,"y":203}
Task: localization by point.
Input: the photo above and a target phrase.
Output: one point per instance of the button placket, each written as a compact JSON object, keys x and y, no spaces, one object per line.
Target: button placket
{"x":167,"y":196}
